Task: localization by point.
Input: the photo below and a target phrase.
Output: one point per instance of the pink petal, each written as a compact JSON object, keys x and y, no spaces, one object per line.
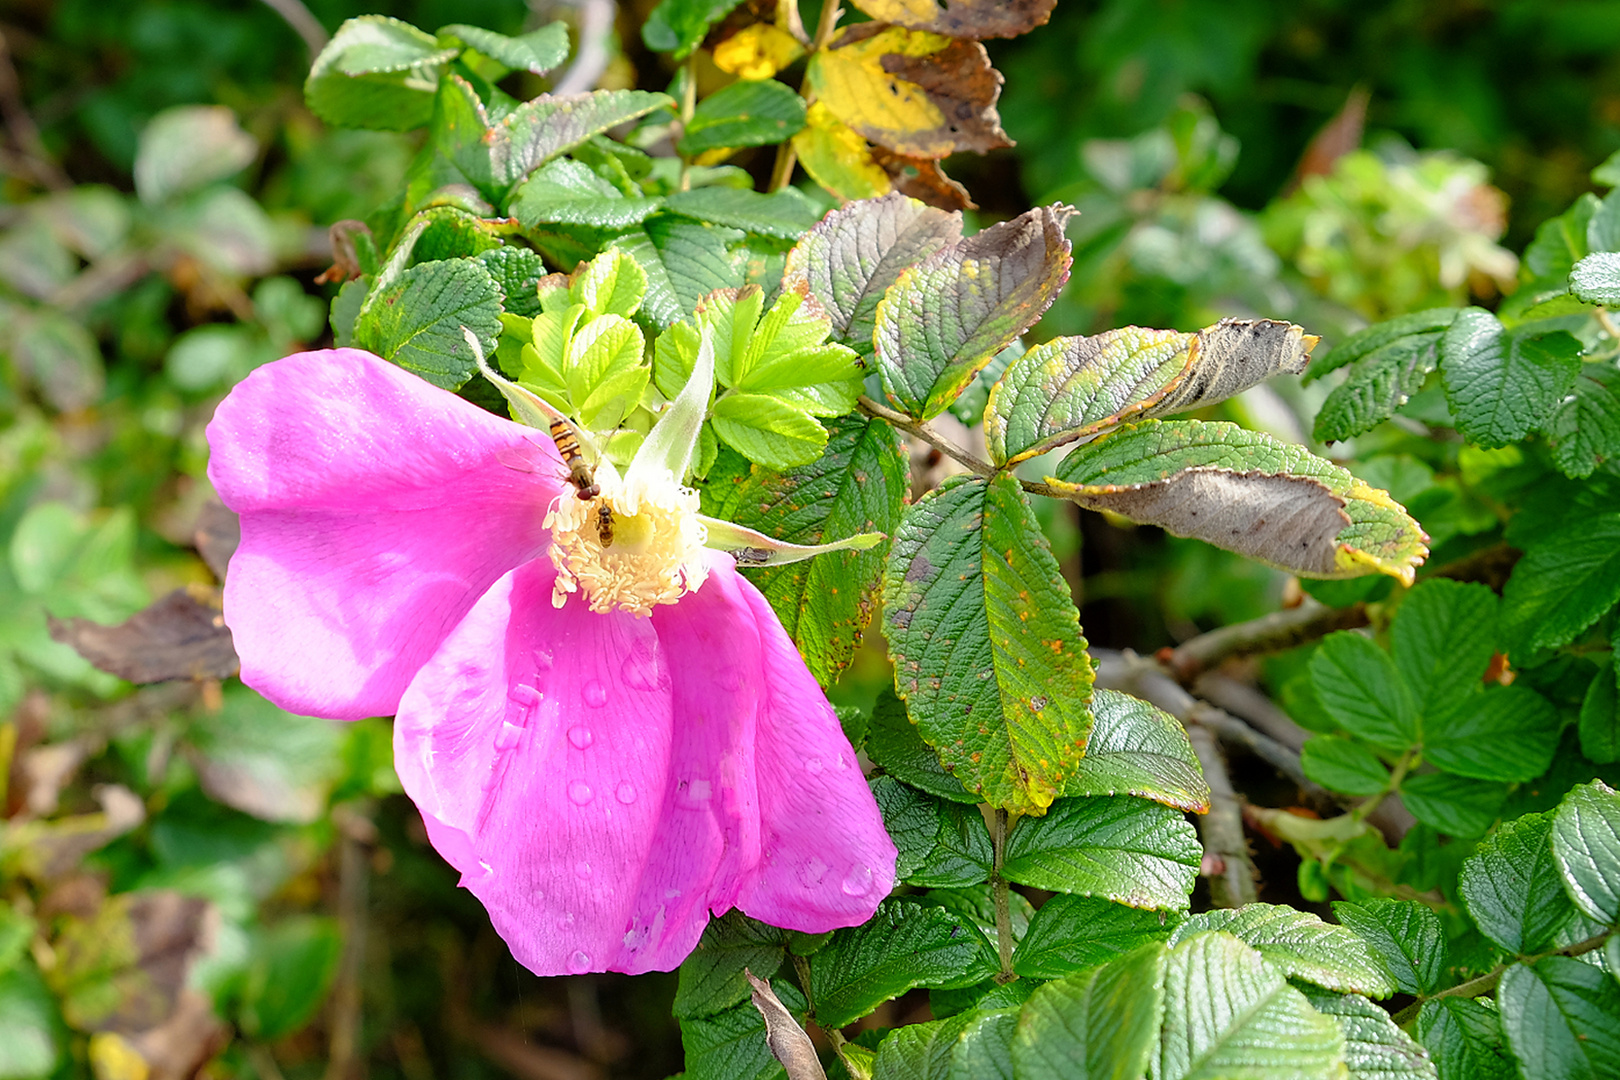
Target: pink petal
{"x":826,"y":859}
{"x":376,"y":509}
{"x":543,"y":748}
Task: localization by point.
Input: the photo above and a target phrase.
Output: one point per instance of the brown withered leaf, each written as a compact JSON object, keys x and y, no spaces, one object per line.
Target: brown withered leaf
{"x":919,"y":94}
{"x":182,"y":636}
{"x":788,"y":1042}
{"x":124,"y":969}
{"x":1338,"y":137}
{"x":217,"y":533}
{"x":976,"y":19}
{"x":923,"y":179}
{"x":174,"y":1050}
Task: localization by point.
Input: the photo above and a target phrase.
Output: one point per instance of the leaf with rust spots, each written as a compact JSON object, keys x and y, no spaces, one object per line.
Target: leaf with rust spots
{"x":973,"y":594}
{"x":1072,"y":387}
{"x":976,"y":19}
{"x":1249,"y":493}
{"x":919,"y":94}
{"x":857,"y":485}
{"x":947,"y":317}
{"x":182,"y":636}
{"x":124,"y":968}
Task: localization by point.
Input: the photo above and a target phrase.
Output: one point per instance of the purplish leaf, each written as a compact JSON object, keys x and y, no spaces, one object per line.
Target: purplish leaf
{"x":947,"y":316}
{"x":1246,"y":492}
{"x":986,"y":643}
{"x":1121,"y":848}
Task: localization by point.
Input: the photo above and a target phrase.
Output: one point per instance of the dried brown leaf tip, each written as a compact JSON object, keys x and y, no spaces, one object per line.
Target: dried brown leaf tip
{"x":787,"y":1040}
{"x":182,"y":636}
{"x":977,"y":19}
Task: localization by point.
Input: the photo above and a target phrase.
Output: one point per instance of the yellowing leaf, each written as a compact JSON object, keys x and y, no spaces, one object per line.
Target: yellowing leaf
{"x":919,"y":94}
{"x":975,"y":19}
{"x":757,"y":52}
{"x":837,"y":158}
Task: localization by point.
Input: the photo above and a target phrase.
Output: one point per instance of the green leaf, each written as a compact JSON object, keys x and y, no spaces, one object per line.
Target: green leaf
{"x":1298,"y":943}
{"x":1442,"y":639}
{"x":1513,"y":889}
{"x":537,"y":131}
{"x":1343,"y":765}
{"x":1501,"y":386}
{"x":256,"y":758}
{"x":376,"y":72}
{"x":1585,"y":427}
{"x":416,"y":322}
{"x":1596,"y":278}
{"x":767,"y":430}
{"x":678,"y":26}
{"x":452,"y":233}
{"x":849,"y":260}
{"x":30,"y":1050}
{"x":949,"y":315}
{"x":894,"y":743}
{"x":973,"y":593}
{"x":1586,"y":845}
{"x":1560,"y":242}
{"x":1465,"y":1038}
{"x":1248,"y":492}
{"x":749,"y":112}
{"x":1374,"y":1048}
{"x":685,"y":261}
{"x":921,"y":1051}
{"x":16,"y":931}
{"x":1562,"y":1019}
{"x":903,"y":945}
{"x":1362,"y":689}
{"x":1600,"y":719}
{"x":1506,"y":733}
{"x":1603,"y":230}
{"x":985,"y":1048}
{"x":293,"y":966}
{"x":784,"y":214}
{"x":731,"y":1045}
{"x":1566,"y":581}
{"x":187,"y":147}
{"x":1455,"y":805}
{"x":1377,"y":385}
{"x":1073,"y":933}
{"x":1406,"y":935}
{"x":942,"y":844}
{"x":857,"y":485}
{"x":711,"y":979}
{"x":1125,"y":849}
{"x":537,"y":51}
{"x":517,"y":272}
{"x":1140,"y":750}
{"x":1364,"y":343}
{"x":1098,"y":1023}
{"x":1227,"y":1012}
{"x":568,"y":192}
{"x":1069,"y":388}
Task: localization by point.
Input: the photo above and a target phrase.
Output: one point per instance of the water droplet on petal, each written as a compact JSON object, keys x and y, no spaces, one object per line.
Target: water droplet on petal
{"x":580,"y":793}
{"x":595,"y":694}
{"x":581,"y":737}
{"x":509,"y":736}
{"x":582,"y":869}
{"x":858,"y":882}
{"x":811,"y":873}
{"x":526,"y":697}
{"x":579,"y":963}
{"x":565,"y":920}
{"x":641,"y":672}
{"x":813,"y":766}
{"x":542,"y":659}
{"x":626,"y":793}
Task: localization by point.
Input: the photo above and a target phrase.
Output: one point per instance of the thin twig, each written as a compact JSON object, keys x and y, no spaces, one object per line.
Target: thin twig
{"x":786,"y":155}
{"x":1607,"y":322}
{"x":591,"y":59}
{"x":998,"y":884}
{"x":1484,"y":984}
{"x":22,"y":126}
{"x":306,"y":25}
{"x":1226,"y":849}
{"x":926,"y":434}
{"x":1269,"y":633}
{"x":357,"y":834}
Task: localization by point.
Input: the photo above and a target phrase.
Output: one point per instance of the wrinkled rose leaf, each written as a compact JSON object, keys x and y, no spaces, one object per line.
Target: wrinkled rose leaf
{"x":986,"y":643}
{"x":1139,"y":750}
{"x":182,"y":636}
{"x":1072,"y":387}
{"x":949,"y":315}
{"x":919,"y":94}
{"x":1249,"y":493}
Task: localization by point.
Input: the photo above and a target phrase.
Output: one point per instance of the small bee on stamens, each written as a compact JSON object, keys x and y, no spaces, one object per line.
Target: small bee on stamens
{"x":604,"y":525}
{"x":579,"y":470}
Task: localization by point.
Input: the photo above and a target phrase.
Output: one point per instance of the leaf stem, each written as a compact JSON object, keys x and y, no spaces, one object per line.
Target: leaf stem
{"x":786,"y":156}
{"x":998,"y":884}
{"x":688,"y":108}
{"x":1484,"y":984}
{"x":926,"y":434}
{"x":1606,"y":321}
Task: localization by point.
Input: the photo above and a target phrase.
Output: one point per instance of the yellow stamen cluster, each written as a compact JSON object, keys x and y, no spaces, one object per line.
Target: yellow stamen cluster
{"x":656,"y":553}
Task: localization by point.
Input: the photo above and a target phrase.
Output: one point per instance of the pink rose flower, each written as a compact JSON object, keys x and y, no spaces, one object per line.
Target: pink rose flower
{"x":609,"y":744}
